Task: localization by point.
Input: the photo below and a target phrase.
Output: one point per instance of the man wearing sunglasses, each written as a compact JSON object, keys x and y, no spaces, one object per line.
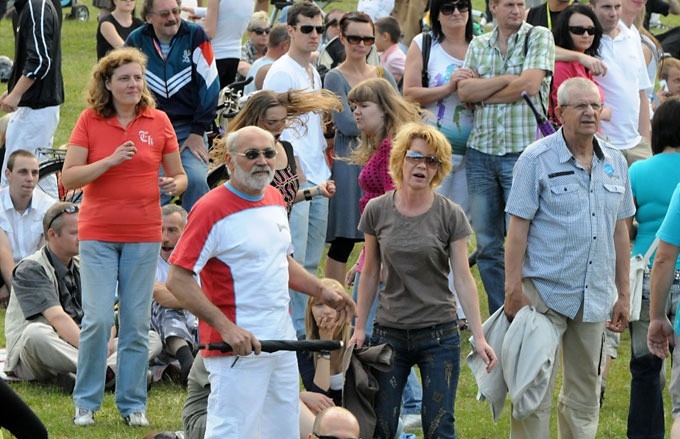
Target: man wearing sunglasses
{"x":238,"y":240}
{"x":513,"y":58}
{"x":308,"y":219}
{"x":182,"y":75}
{"x":45,"y":310}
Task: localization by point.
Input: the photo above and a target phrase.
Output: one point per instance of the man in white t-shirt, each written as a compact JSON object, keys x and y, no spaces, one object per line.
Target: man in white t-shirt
{"x":294,"y":71}
{"x":22,"y":212}
{"x":628,"y":130}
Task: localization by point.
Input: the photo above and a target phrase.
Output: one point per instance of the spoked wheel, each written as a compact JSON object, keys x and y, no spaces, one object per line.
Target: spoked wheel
{"x":80,"y":13}
{"x":50,"y":182}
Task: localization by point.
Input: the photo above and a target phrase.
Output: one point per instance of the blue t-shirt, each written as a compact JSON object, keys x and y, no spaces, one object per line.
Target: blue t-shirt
{"x":670,"y":232}
{"x":653,"y":182}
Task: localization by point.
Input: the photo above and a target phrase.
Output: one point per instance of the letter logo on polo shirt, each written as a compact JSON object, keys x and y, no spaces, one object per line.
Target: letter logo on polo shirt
{"x":145,"y":137}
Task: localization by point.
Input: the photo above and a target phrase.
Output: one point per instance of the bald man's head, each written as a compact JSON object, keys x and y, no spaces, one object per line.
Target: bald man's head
{"x":335,"y":421}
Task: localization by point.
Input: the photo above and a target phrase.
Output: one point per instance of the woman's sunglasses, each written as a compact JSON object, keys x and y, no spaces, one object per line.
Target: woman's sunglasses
{"x":356,"y":39}
{"x":448,"y":8}
{"x":261,"y":30}
{"x":580,"y":30}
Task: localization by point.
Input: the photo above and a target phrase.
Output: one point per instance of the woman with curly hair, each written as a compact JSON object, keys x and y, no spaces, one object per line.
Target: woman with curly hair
{"x":413,"y":238}
{"x":115,"y":152}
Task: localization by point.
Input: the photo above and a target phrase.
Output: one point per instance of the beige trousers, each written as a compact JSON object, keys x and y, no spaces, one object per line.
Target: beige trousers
{"x":641,"y":151}
{"x":578,"y":405}
{"x":44,"y":354}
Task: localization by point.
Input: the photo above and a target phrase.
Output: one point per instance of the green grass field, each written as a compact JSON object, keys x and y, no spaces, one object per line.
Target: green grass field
{"x":473,"y":419}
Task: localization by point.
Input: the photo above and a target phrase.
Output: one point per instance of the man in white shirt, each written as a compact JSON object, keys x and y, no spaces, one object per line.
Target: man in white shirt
{"x":294,"y":71}
{"x":23,"y":209}
{"x":620,"y":48}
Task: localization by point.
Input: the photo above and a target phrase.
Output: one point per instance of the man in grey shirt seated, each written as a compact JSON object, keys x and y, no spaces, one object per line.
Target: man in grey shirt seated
{"x":42,"y":325}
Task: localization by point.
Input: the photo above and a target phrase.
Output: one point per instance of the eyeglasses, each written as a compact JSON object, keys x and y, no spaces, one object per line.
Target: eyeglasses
{"x":596,"y":106}
{"x":308,"y":28}
{"x":580,"y":30}
{"x":253,"y":154}
{"x":333,"y":22}
{"x":416,"y":157}
{"x":261,"y":30}
{"x":356,"y":39}
{"x":166,"y":13}
{"x":448,"y":8}
{"x":323,"y":436}
{"x":70,"y":209}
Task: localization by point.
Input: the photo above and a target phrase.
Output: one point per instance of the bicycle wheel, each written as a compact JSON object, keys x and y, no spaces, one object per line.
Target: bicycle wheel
{"x":50,"y":176}
{"x":217,"y":176}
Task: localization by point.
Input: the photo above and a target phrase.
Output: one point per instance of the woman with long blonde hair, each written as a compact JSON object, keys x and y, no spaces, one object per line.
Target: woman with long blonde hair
{"x":274,"y":112}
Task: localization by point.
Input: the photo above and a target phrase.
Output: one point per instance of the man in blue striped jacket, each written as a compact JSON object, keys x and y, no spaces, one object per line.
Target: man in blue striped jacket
{"x":182,"y":74}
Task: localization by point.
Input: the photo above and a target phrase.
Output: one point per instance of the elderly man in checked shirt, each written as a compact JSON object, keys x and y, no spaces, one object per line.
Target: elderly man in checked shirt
{"x":568,"y":252}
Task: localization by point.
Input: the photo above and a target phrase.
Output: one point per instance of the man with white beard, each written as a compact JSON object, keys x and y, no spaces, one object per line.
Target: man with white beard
{"x":238,"y":240}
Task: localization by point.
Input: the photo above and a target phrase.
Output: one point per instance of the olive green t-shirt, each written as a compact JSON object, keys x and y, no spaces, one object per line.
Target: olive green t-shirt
{"x":414,"y":252}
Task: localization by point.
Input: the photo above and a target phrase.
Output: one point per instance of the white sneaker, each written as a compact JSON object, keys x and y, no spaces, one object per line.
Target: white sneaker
{"x":412,"y":422}
{"x":83,"y":417}
{"x":136,"y":419}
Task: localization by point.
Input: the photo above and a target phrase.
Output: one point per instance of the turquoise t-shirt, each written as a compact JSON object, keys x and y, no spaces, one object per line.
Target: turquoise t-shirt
{"x":670,"y":232}
{"x":653,"y":182}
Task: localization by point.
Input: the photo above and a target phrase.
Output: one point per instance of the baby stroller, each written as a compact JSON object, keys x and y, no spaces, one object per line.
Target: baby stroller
{"x":78,"y":12}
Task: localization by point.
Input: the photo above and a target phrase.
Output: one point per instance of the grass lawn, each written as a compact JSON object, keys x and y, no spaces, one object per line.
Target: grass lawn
{"x":473,"y":419}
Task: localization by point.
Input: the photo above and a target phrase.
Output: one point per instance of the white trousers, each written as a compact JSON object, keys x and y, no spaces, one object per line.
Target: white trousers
{"x":253,"y":397}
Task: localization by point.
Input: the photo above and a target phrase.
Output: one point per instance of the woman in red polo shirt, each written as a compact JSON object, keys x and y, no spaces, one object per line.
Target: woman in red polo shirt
{"x":114,"y":154}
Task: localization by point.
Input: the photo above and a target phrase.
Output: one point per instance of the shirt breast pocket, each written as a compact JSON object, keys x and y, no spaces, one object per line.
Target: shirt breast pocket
{"x":613,"y":194}
{"x":565,"y":200}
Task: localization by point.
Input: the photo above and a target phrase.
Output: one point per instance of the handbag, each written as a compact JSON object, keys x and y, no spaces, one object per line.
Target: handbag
{"x":639,"y":265}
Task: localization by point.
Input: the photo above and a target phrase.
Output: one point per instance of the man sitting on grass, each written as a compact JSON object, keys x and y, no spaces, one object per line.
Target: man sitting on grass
{"x":177,"y":327}
{"x":42,"y":325}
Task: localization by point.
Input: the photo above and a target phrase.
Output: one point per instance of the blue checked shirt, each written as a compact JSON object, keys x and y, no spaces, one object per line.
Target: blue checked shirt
{"x":570,"y":253}
{"x":500,"y":129}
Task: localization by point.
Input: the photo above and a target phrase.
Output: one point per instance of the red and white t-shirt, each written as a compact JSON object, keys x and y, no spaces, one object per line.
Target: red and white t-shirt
{"x":239,"y":246}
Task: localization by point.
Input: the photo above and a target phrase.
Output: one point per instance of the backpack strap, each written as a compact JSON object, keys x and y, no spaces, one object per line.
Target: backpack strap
{"x":427,"y":45}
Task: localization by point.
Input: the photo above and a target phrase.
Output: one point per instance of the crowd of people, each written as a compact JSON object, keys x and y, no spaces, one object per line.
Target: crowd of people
{"x":398,"y":135}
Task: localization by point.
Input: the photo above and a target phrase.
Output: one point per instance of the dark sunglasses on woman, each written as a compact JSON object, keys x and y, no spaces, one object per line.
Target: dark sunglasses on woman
{"x":261,"y":30}
{"x":580,"y":30}
{"x":448,"y":8}
{"x":356,"y":39}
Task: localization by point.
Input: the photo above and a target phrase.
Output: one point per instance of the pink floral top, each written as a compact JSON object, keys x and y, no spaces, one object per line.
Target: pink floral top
{"x":375,"y":180}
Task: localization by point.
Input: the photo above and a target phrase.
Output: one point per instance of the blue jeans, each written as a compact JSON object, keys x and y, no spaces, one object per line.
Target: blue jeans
{"x":489,"y":179}
{"x":132,"y":266}
{"x":197,"y":176}
{"x":436,"y":351}
{"x":413,"y":392}
{"x":308,"y":221}
{"x":646,"y":411}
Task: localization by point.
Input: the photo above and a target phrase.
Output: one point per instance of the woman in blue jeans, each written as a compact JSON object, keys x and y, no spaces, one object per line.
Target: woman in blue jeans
{"x":415,"y":233}
{"x":114,"y":154}
{"x":652,"y":181}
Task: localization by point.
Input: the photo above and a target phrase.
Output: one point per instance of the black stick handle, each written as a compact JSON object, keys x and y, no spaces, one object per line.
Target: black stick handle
{"x":283,"y":345}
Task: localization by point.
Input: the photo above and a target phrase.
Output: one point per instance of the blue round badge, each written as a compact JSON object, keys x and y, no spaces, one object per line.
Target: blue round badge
{"x":608,"y":169}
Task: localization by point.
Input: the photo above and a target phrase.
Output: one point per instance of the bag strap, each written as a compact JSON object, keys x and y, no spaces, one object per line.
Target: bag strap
{"x":427,"y":45}
{"x":650,"y":251}
{"x":526,"y":50}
